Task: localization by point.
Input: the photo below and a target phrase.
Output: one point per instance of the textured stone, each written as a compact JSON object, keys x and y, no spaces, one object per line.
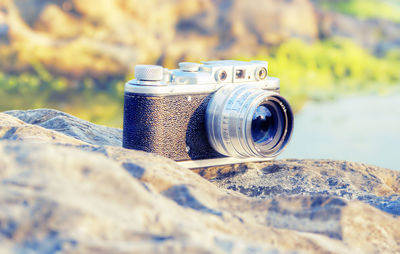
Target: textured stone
{"x":65,"y":195}
{"x":377,"y":186}
{"x":70,"y":126}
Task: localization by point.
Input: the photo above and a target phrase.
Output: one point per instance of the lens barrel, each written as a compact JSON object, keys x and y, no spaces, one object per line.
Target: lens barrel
{"x":246,"y":121}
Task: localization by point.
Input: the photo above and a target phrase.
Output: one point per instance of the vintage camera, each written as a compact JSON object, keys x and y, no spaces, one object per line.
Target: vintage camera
{"x":214,"y":113}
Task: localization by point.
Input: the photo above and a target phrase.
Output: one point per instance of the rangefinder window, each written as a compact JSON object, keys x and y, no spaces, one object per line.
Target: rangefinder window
{"x":240,"y":74}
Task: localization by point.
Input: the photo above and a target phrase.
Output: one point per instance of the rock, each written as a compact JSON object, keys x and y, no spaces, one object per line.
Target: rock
{"x":70,"y":126}
{"x":379,"y":36}
{"x":14,"y":129}
{"x":61,"y":194}
{"x":377,"y":186}
{"x":102,"y":38}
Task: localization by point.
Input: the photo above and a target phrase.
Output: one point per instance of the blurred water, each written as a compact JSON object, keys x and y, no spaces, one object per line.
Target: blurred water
{"x":362,"y":129}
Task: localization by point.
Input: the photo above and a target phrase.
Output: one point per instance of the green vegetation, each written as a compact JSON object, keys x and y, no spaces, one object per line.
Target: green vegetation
{"x":325,"y":69}
{"x":82,"y":98}
{"x":365,"y":9}
{"x":317,"y":71}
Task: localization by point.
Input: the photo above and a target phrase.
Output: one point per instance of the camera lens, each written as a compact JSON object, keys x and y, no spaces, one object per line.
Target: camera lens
{"x":263,"y":127}
{"x":246,"y":121}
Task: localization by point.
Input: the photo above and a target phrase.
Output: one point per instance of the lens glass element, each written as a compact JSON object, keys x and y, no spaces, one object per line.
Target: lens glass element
{"x":263,"y":126}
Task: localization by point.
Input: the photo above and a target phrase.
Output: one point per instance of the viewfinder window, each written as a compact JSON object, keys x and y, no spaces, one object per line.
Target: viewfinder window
{"x":240,"y":74}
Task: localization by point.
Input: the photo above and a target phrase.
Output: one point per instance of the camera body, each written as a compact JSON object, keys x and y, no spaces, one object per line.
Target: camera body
{"x":191,"y":114}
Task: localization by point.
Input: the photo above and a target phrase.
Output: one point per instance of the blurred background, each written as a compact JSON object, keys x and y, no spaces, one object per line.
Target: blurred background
{"x":338,"y":61}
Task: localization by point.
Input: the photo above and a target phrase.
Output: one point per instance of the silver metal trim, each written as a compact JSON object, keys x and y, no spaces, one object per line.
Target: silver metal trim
{"x":140,"y":87}
{"x":189,"y":66}
{"x":219,"y":162}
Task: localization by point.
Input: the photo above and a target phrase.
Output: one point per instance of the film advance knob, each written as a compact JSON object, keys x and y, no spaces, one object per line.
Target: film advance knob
{"x":149,"y":72}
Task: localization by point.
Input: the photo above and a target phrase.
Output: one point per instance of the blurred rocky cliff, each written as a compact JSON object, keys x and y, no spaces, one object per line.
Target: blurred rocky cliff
{"x":102,"y":38}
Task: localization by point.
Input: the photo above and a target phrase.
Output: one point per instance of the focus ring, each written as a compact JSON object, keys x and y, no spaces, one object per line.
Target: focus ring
{"x":229,"y":119}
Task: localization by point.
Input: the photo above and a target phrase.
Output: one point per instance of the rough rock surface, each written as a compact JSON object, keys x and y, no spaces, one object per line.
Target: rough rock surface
{"x":377,"y":186}
{"x":70,"y":126}
{"x":61,"y":194}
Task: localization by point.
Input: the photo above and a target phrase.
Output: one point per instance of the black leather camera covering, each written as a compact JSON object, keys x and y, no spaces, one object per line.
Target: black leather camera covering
{"x":171,"y":126}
